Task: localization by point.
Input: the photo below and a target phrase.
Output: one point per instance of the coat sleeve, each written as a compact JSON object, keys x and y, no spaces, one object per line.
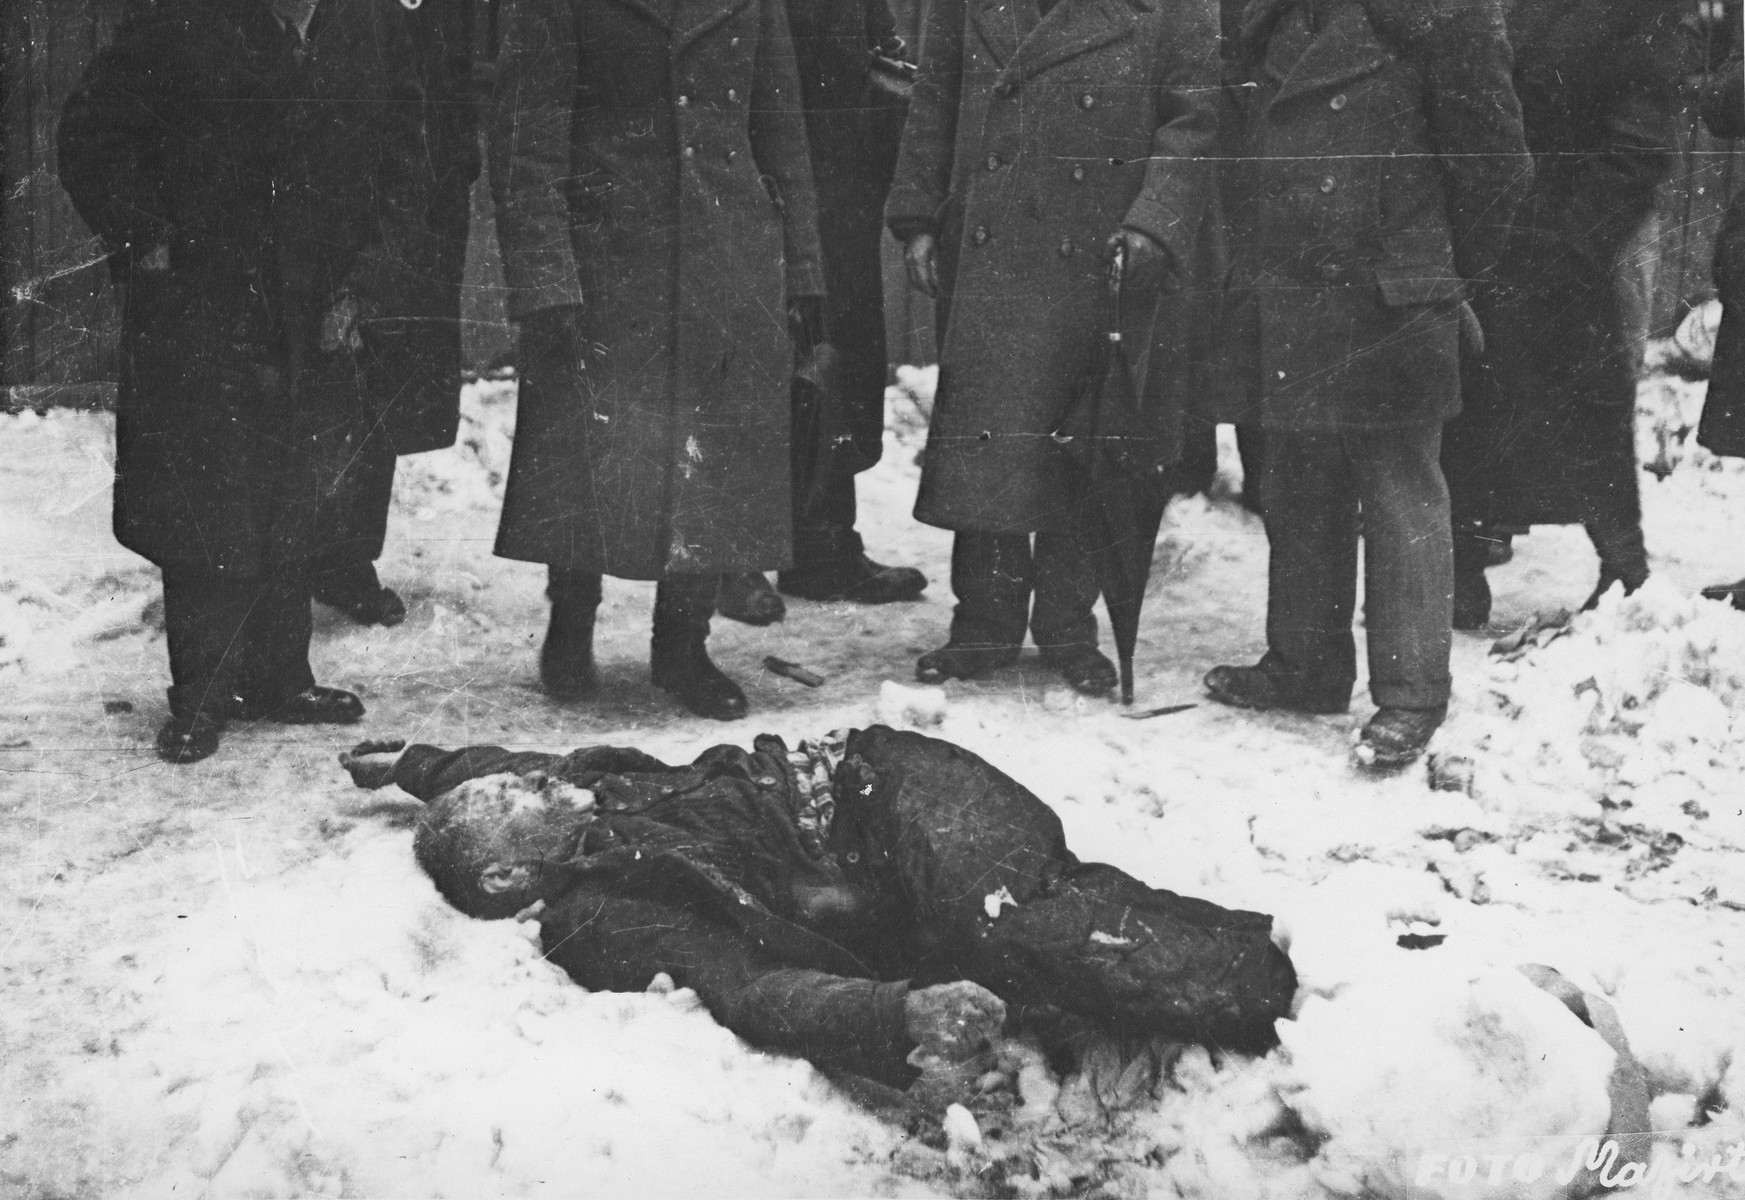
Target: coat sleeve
{"x":609,"y":942}
{"x":1724,"y":101}
{"x":426,"y":772}
{"x":1188,"y":87}
{"x":923,"y":179}
{"x":529,"y":140}
{"x":778,"y":145}
{"x":1476,"y":128}
{"x":114,"y":129}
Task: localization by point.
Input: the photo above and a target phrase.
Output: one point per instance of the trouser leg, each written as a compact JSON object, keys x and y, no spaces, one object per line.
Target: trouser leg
{"x":1617,"y":539}
{"x":235,"y":638}
{"x":1063,"y":611}
{"x":1311,"y":525}
{"x":613,"y":943}
{"x":992,"y":575}
{"x":999,"y":899}
{"x":1408,"y":564}
{"x":354,"y":518}
{"x":824,"y":523}
{"x":1251,"y":450}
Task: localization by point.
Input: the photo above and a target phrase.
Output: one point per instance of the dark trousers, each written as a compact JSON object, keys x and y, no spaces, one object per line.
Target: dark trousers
{"x":231,"y":638}
{"x":352,"y":522}
{"x":1003,"y":584}
{"x":1315,"y":486}
{"x":824,"y":522}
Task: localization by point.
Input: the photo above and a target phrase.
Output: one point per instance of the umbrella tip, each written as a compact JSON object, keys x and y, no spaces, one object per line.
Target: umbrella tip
{"x":1126,"y":679}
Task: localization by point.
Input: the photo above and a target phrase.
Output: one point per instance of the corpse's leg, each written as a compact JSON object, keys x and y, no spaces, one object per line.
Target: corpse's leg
{"x":999,"y":899}
{"x":613,"y":943}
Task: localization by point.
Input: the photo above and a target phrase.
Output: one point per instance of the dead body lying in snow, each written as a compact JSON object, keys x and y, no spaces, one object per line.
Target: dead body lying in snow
{"x":872,"y":901}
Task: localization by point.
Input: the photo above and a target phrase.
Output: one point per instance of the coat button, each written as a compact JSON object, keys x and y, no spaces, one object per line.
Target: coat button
{"x":1329,"y":184}
{"x":993,"y":162}
{"x":1066,"y":249}
{"x":980,"y":236}
{"x":732,"y":95}
{"x":1005,"y":89}
{"x":1276,"y":188}
{"x":689,"y":152}
{"x":1078,"y":174}
{"x":733,"y":43}
{"x":1087,"y":101}
{"x":732,"y":154}
{"x":1338,"y":102}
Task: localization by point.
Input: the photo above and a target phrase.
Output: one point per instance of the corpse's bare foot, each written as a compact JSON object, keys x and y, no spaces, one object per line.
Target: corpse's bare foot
{"x":954,"y":1026}
{"x":371,"y":763}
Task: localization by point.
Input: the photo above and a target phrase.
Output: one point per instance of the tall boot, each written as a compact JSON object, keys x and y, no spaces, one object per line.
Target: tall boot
{"x":679,"y":655}
{"x":1617,"y":538}
{"x":566,"y":663}
{"x":1472,"y":591}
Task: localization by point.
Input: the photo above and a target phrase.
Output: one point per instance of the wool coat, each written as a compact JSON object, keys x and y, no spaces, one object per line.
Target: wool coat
{"x":1029,"y":143}
{"x":277,"y":178}
{"x":853,"y":128}
{"x":650,"y":171}
{"x":806,"y":938}
{"x":1722,"y":428}
{"x":1377,"y":159}
{"x":1548,"y":433}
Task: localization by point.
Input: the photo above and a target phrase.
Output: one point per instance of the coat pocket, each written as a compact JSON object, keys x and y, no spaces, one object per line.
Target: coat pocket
{"x":1405,"y":285}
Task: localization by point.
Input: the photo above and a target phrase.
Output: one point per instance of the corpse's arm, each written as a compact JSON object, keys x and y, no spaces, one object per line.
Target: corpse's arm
{"x":425,"y":772}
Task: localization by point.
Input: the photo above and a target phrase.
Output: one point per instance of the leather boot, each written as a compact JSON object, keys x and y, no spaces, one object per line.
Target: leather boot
{"x":678,"y":653}
{"x":1472,"y":591}
{"x":566,"y":662}
{"x":193,"y":730}
{"x":747,"y":597}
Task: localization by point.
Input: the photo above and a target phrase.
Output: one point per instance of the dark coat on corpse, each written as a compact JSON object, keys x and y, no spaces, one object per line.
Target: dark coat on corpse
{"x":650,"y":170}
{"x":1029,"y":143}
{"x":279,"y":177}
{"x":1371,"y":178}
{"x":935,"y":867}
{"x":1548,"y":434}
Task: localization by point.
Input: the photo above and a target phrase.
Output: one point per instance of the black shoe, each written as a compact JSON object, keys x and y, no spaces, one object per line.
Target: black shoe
{"x":747,"y":597}
{"x":189,"y":737}
{"x":356,"y":592}
{"x":566,"y":661}
{"x":858,"y":579}
{"x":1608,"y":577}
{"x":1258,"y":688}
{"x":1472,"y":600}
{"x":955,"y":660}
{"x":1396,"y":737}
{"x":1732,"y":593}
{"x":314,"y":705}
{"x":1085,"y":668}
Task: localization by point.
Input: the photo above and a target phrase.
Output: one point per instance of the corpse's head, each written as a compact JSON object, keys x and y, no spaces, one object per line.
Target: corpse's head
{"x":493,"y":844}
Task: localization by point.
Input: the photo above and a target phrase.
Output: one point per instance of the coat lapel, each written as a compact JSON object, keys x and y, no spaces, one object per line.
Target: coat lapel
{"x":1002,"y":25}
{"x":1071,"y":28}
{"x":656,"y":12}
{"x":1346,"y":49}
{"x":694,"y":18}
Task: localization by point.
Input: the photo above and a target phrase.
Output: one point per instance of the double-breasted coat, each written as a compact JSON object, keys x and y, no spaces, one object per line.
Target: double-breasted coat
{"x":1376,"y":162}
{"x":1548,"y":432}
{"x":1722,"y":428}
{"x":1029,"y":142}
{"x":853,"y":128}
{"x":650,"y":170}
{"x":277,"y":177}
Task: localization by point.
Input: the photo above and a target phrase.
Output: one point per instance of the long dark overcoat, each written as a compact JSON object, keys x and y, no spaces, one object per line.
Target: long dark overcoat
{"x":853,"y":130}
{"x":1374,"y":176}
{"x":413,"y":359}
{"x":1547,"y":435}
{"x":1722,"y":428}
{"x":274,"y":177}
{"x":649,"y":165}
{"x":1028,"y":144}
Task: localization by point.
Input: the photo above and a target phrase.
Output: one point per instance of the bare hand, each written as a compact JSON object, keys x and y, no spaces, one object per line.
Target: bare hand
{"x":340,"y":329}
{"x":371,"y":764}
{"x":921,"y":257}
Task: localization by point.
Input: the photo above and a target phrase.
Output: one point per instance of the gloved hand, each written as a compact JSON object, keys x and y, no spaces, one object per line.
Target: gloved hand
{"x":954,"y":1026}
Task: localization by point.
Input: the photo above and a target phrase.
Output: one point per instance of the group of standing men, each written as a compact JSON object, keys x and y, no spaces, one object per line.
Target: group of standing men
{"x":1379,"y":211}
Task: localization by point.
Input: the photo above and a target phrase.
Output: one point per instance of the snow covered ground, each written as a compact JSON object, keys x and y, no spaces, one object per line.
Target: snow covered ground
{"x":230,"y":979}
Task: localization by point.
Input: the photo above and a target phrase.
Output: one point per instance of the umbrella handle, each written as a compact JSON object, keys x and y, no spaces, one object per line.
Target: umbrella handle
{"x":1117,"y":268}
